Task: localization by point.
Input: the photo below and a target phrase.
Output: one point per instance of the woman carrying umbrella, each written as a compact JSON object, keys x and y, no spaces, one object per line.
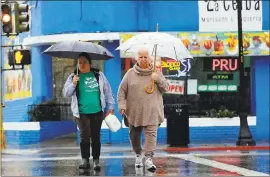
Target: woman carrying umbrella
{"x":144,"y":111}
{"x":90,"y":92}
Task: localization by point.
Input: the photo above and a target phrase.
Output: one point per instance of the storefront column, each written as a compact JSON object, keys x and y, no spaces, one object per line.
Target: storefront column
{"x":262,"y":87}
{"x":112,"y":70}
{"x":41,"y":74}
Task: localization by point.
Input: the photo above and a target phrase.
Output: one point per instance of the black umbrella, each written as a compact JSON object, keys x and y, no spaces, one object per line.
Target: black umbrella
{"x":72,"y":49}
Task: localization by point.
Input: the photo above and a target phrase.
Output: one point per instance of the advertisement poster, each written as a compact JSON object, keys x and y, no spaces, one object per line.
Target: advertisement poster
{"x":173,"y":69}
{"x":225,"y":43}
{"x":221,"y":15}
{"x":18,"y":83}
{"x":203,"y":44}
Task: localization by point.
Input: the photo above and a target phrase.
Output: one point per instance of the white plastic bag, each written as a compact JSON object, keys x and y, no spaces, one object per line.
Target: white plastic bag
{"x":112,"y":122}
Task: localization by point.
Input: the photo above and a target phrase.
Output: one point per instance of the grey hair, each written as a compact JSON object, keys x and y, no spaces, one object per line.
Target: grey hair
{"x":141,"y":50}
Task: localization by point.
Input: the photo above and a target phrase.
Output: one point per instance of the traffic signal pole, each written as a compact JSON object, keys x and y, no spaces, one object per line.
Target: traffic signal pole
{"x":3,"y":142}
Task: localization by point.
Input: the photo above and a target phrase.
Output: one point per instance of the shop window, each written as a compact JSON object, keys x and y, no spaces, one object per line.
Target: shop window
{"x":217,"y":86}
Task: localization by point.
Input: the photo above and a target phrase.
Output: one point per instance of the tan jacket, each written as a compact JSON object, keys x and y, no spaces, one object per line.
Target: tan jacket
{"x":142,"y":109}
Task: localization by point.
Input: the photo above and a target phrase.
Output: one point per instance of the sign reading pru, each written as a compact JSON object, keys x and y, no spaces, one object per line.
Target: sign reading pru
{"x":224,"y":64}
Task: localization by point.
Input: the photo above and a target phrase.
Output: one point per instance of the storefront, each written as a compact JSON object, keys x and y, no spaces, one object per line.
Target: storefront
{"x":111,"y":23}
{"x":214,"y":70}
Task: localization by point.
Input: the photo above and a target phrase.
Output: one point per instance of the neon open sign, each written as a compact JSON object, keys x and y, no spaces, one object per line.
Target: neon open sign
{"x":224,"y":64}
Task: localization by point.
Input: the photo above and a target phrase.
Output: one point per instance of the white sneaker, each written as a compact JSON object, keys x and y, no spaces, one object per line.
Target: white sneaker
{"x":150,"y":173}
{"x":139,"y":171}
{"x":139,"y":161}
{"x":149,"y":164}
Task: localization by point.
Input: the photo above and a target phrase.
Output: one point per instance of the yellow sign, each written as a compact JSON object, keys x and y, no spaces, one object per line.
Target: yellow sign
{"x":172,"y":66}
{"x":18,"y":57}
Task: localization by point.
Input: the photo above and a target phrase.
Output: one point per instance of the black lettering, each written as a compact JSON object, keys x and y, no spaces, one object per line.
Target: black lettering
{"x":224,"y":4}
{"x":208,"y":6}
{"x":235,"y":4}
{"x":257,"y":5}
{"x":248,"y":4}
{"x":216,"y":7}
{"x":203,"y":19}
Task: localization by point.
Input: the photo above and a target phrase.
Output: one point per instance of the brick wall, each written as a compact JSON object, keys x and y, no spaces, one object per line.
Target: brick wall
{"x":216,"y":134}
{"x":53,"y":129}
{"x":16,"y":111}
{"x":204,"y":130}
{"x":25,"y":133}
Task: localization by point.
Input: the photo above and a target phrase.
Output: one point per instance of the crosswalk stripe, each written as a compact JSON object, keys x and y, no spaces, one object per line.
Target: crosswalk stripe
{"x":219,"y":165}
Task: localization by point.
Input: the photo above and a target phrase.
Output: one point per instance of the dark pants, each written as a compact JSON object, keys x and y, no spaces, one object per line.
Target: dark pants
{"x":90,"y":126}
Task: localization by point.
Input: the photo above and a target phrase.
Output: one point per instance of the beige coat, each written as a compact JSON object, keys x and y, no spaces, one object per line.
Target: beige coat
{"x":142,"y":109}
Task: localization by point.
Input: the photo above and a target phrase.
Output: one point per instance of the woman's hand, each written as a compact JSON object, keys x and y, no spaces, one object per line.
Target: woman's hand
{"x":154,"y":76}
{"x":110,"y":111}
{"x":75,"y":80}
{"x":122,"y":112}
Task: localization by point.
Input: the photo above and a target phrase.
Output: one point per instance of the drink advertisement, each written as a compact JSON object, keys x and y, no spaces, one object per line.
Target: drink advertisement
{"x":202,"y":44}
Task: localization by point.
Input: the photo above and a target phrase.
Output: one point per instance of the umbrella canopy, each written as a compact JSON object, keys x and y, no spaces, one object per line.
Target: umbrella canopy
{"x":166,"y":45}
{"x":72,"y":49}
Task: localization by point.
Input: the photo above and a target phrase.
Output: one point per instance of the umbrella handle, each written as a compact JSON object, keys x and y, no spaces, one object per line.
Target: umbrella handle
{"x":77,"y":68}
{"x":147,"y":90}
{"x":151,"y":90}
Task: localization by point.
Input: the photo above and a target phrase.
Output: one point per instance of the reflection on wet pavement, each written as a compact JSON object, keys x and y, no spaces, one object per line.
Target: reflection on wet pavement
{"x":259,"y":163}
{"x":110,"y":167}
{"x":119,"y":161}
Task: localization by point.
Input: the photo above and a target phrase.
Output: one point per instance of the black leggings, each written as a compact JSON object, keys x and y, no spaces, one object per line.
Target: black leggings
{"x":90,"y":126}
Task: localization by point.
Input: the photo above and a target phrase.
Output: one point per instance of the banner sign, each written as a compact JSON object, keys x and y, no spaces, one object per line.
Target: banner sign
{"x":204,"y":44}
{"x":217,"y":88}
{"x":177,"y":87}
{"x":226,"y":44}
{"x":221,"y":15}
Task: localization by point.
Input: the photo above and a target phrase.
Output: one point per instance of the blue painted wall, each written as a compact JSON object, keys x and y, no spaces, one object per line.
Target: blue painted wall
{"x":47,"y":131}
{"x":262,"y":80}
{"x":120,"y":16}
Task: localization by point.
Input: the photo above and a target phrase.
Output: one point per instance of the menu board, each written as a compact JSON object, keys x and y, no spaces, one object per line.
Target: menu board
{"x":225,"y":44}
{"x":204,"y":44}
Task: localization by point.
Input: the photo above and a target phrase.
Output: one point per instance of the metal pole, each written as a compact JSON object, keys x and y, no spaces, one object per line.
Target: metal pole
{"x":3,"y":143}
{"x":245,"y":137}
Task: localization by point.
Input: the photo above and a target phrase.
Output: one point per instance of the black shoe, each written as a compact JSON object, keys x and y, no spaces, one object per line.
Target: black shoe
{"x":96,"y":165}
{"x":85,"y":164}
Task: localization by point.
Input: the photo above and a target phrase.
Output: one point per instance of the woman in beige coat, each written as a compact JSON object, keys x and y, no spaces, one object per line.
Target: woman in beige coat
{"x":144,"y":111}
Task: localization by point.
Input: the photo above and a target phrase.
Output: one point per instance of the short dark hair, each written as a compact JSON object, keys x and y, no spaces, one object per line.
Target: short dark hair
{"x":84,"y":54}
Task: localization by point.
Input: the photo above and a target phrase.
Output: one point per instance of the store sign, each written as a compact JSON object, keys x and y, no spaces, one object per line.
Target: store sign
{"x":217,"y":88}
{"x":171,"y":65}
{"x":174,"y":69}
{"x":220,"y":77}
{"x":224,"y":64}
{"x":221,"y":15}
{"x":177,"y":87}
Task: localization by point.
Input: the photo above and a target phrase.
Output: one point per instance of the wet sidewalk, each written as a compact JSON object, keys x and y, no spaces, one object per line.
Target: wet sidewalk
{"x":61,"y":157}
